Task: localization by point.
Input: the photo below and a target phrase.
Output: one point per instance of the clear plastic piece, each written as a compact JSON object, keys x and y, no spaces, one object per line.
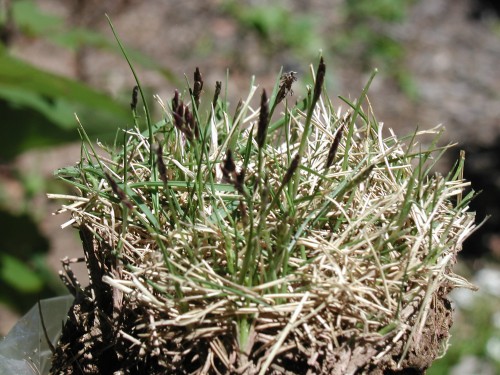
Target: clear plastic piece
{"x":24,"y":351}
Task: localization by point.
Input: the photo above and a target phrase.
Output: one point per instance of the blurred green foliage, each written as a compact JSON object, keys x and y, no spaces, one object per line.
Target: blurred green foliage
{"x":384,"y":10}
{"x":277,"y":27}
{"x":24,"y":275}
{"x":37,"y":108}
{"x":368,"y":38}
{"x":475,"y":333}
{"x":364,"y":35}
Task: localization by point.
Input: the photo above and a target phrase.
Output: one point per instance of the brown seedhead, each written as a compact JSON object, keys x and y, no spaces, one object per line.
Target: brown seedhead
{"x":175,"y":100}
{"x":198,"y":87}
{"x":333,"y":148}
{"x":183,"y":118}
{"x":240,"y":181}
{"x":218,"y":88}
{"x":162,"y":168}
{"x":291,"y":169}
{"x":320,"y":79}
{"x":263,"y":120}
{"x":133,"y":103}
{"x":118,"y":191}
{"x":229,"y":167}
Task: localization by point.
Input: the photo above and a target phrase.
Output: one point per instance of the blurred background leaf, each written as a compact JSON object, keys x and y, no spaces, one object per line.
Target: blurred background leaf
{"x":37,"y":108}
{"x":24,"y":276}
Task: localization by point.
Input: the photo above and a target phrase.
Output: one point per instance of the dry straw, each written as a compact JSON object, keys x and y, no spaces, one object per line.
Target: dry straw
{"x":306,"y":242}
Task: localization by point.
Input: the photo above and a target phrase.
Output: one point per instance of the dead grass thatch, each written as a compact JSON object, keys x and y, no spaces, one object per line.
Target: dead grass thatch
{"x":248,"y":244}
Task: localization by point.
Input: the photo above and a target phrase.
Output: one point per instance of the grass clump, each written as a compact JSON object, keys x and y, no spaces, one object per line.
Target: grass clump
{"x":259,"y":243}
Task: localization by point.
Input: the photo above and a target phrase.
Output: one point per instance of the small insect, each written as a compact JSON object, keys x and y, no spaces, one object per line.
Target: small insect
{"x":288,"y":79}
{"x":286,"y":82}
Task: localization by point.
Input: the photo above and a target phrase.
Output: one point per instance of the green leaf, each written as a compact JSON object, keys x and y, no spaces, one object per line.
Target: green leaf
{"x":77,"y":38}
{"x":16,"y":74}
{"x":37,"y":108}
{"x":31,"y":20}
{"x":18,"y":275}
